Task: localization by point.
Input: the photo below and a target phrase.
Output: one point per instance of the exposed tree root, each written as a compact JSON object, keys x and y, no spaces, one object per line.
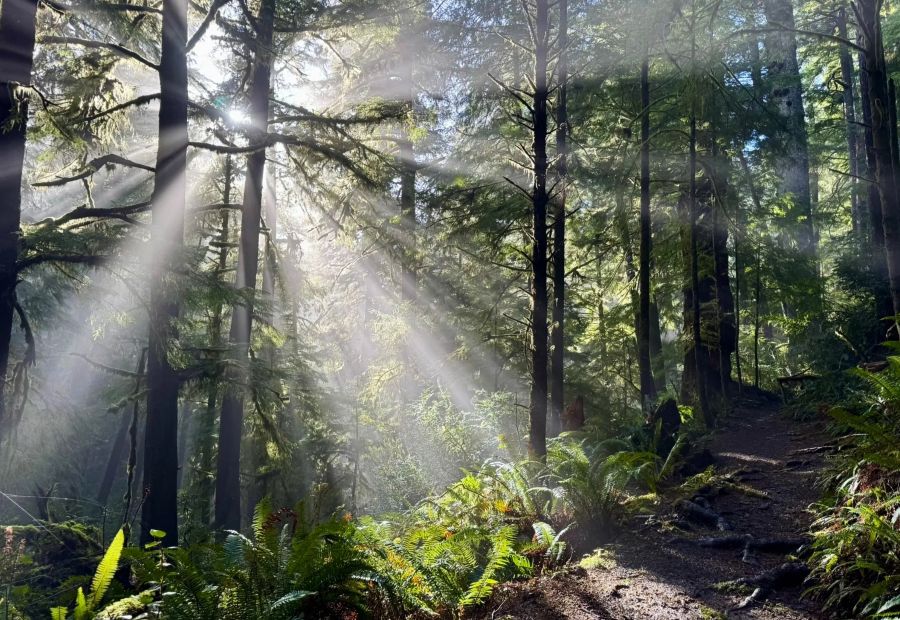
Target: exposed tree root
{"x":758,"y":595}
{"x":816,"y":449}
{"x":701,"y":514}
{"x":786,"y":575}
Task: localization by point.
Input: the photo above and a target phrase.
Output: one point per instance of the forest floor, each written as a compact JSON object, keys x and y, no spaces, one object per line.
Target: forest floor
{"x":657,"y":571}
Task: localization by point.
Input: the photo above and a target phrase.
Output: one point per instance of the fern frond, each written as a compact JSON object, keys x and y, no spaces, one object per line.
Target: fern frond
{"x":107,"y":568}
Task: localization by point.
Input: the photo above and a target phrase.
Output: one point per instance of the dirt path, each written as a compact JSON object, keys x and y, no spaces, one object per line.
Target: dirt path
{"x":660,"y":573}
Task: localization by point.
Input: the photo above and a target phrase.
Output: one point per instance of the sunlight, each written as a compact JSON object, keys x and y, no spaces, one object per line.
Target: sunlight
{"x":450,"y":310}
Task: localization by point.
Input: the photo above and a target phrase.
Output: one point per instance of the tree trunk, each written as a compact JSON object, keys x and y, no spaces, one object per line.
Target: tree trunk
{"x":160,"y":507}
{"x":656,"y":359}
{"x":707,"y":365}
{"x":892,"y":123}
{"x":648,"y":386}
{"x":874,"y":249}
{"x":757,"y":301}
{"x":205,"y":454}
{"x":876,"y":229}
{"x":879,"y":100}
{"x":116,"y":459}
{"x":725,"y":325}
{"x":228,"y":481}
{"x":631,"y":273}
{"x":17,"y":32}
{"x":848,"y":77}
{"x":694,"y":215}
{"x":791,"y":143}
{"x":557,"y":334}
{"x":537,"y":438}
{"x":120,"y":443}
{"x":407,"y":156}
{"x":185,"y":432}
{"x":261,"y":487}
{"x":738,"y":283}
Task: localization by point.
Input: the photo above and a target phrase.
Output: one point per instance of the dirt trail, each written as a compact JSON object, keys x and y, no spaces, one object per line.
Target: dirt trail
{"x":658,"y":573}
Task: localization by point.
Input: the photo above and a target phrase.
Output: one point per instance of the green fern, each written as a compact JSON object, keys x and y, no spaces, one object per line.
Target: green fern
{"x":106,"y":570}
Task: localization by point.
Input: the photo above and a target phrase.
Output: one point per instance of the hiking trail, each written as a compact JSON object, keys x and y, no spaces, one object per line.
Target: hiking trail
{"x":659,"y":568}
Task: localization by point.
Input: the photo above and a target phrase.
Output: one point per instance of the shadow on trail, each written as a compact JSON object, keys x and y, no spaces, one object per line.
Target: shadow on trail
{"x":662,"y":573}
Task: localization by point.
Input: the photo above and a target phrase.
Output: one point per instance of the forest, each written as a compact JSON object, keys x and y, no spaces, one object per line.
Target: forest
{"x":454,"y":309}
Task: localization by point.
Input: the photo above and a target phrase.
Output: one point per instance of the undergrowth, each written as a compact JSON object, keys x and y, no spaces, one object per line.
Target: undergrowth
{"x":502,"y":522}
{"x":855,"y":559}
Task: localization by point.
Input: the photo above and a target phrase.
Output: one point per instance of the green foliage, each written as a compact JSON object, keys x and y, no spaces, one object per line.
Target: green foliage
{"x":289,"y":568}
{"x":450,"y":551}
{"x":856,"y":553}
{"x":106,"y":570}
{"x":856,"y":550}
{"x":85,"y":606}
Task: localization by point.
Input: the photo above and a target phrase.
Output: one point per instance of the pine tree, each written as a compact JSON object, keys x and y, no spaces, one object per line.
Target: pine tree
{"x":17,"y":36}
{"x":160,"y":507}
{"x":228,"y":482}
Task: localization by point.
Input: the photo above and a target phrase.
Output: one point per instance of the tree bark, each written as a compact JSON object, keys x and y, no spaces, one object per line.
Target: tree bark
{"x":261,"y":487}
{"x":694,"y":216}
{"x":879,"y":100}
{"x":205,"y":454}
{"x":873,"y":249}
{"x":160,"y":507}
{"x":648,"y":385}
{"x":407,"y":155}
{"x":120,"y":443}
{"x":791,"y":142}
{"x":848,"y":77}
{"x":557,"y":334}
{"x":537,"y":438}
{"x":17,"y":32}
{"x":228,"y":482}
{"x":757,"y":301}
{"x":115,"y":460}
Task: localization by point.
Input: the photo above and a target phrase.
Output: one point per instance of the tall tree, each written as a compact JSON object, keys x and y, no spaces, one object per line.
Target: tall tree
{"x":228,"y":482}
{"x":848,"y":78}
{"x":407,"y":163}
{"x":645,"y":368}
{"x":537,"y":439}
{"x":694,"y":239}
{"x":557,"y":333}
{"x":875,"y":70}
{"x":874,"y":248}
{"x":791,"y":141}
{"x":160,"y":507}
{"x":17,"y":33}
{"x":203,"y":482}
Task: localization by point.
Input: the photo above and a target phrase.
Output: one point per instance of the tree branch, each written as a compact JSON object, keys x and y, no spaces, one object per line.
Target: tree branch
{"x":30,"y":348}
{"x":119,"y":50}
{"x":110,"y":369}
{"x":85,"y":212}
{"x":811,"y":33}
{"x":137,"y":101}
{"x":204,"y":25}
{"x":84,"y":259}
{"x":93,"y":166}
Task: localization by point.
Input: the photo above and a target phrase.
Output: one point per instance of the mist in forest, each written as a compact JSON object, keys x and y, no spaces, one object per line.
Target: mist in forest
{"x":366,"y":308}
